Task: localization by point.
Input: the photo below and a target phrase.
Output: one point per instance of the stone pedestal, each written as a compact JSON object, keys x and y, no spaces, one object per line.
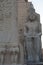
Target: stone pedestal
{"x":36,"y":63}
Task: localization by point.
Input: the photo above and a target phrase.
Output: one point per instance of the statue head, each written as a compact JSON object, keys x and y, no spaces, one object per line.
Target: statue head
{"x":26,"y":0}
{"x":31,"y":13}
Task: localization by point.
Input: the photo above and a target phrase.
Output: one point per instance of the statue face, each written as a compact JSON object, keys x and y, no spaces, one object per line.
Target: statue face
{"x":32,"y":16}
{"x":26,"y":0}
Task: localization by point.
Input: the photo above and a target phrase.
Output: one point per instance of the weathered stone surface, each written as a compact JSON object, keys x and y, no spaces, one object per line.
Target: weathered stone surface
{"x":9,"y":49}
{"x":8,"y":24}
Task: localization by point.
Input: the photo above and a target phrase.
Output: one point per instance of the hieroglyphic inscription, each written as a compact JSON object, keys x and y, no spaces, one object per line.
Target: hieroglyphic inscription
{"x":5,"y":14}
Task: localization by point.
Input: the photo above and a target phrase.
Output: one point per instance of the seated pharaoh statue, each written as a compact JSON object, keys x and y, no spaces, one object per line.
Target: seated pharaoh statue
{"x":32,"y":36}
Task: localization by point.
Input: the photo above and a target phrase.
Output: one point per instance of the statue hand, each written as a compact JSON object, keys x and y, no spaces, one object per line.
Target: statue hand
{"x":39,"y":34}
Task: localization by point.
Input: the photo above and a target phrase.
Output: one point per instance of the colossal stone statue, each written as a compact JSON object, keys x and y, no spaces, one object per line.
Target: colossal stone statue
{"x":19,"y":41}
{"x":32,"y":35}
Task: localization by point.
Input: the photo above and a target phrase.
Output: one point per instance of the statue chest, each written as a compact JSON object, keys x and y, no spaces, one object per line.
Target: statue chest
{"x":32,"y":26}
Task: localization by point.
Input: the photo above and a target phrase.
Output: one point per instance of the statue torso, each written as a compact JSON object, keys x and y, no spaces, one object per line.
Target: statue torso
{"x":32,"y":27}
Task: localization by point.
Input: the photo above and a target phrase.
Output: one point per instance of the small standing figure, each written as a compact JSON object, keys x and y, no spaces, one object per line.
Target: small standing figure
{"x":32,"y":35}
{"x":14,"y":55}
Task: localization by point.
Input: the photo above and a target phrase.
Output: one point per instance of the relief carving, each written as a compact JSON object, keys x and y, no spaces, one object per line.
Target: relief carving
{"x":5,"y":14}
{"x":9,"y":55}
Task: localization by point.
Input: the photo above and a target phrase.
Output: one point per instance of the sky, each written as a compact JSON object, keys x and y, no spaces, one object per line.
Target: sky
{"x":38,"y":5}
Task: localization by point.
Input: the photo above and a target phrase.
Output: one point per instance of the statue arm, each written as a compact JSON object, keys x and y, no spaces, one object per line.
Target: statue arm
{"x":25,"y":30}
{"x":40,"y":30}
{"x":25,"y":34}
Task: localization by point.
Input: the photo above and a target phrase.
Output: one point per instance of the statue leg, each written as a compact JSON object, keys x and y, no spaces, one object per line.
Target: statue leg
{"x":37,"y":47}
{"x":29,"y":49}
